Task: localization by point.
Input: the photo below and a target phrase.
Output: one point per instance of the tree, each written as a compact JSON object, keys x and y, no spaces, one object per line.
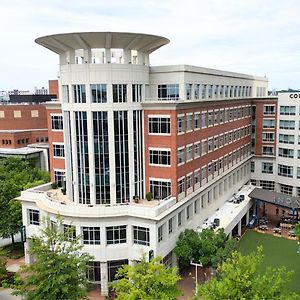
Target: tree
{"x":15,"y":175}
{"x":238,"y":278}
{"x":208,"y":247}
{"x":147,"y":281}
{"x":59,"y":270}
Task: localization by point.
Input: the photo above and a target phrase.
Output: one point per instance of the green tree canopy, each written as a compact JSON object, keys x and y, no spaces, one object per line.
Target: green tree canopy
{"x":15,"y":175}
{"x":59,"y":270}
{"x":238,"y":278}
{"x":147,"y":281}
{"x":208,"y":247}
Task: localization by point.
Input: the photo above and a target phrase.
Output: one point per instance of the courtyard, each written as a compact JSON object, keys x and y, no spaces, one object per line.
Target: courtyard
{"x":278,"y":251}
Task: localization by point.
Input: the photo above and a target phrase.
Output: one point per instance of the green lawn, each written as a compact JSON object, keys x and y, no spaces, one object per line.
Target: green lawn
{"x":278,"y":252}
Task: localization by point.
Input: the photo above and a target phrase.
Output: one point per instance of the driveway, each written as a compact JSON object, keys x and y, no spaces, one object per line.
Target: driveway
{"x":5,"y":295}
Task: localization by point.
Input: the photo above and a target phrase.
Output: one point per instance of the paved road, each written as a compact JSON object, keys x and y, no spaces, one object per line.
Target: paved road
{"x":4,"y":242}
{"x":5,"y":295}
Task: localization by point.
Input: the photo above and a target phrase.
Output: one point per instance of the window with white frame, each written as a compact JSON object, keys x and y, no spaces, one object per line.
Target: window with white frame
{"x":179,"y":218}
{"x":34,"y":217}
{"x":284,"y":152}
{"x":197,"y":91}
{"x":160,"y":189}
{"x":159,"y":125}
{"x":180,"y":156}
{"x":286,"y":138}
{"x":204,"y":91}
{"x":268,"y":123}
{"x":298,"y":172}
{"x":287,"y":110}
{"x":189,"y":153}
{"x":136,"y":92}
{"x":203,"y":173}
{"x":216,"y":117}
{"x":170,"y":223}
{"x":70,"y":231}
{"x":188,"y":90}
{"x":168,"y":91}
{"x":203,"y":147}
{"x":216,"y":142}
{"x":160,"y":157}
{"x":286,"y":189}
{"x":210,"y":118}
{"x":268,"y":136}
{"x":188,"y":212}
{"x":189,"y":122}
{"x":99,"y":93}
{"x":160,"y":233}
{"x":181,"y":186}
{"x":119,"y":93}
{"x":59,"y":177}
{"x":287,"y":124}
{"x":197,"y":121}
{"x":141,"y":235}
{"x":189,"y":181}
{"x":267,"y":167}
{"x":210,"y":145}
{"x":79,"y":93}
{"x":269,"y":110}
{"x":267,"y":184}
{"x":196,"y":206}
{"x":285,"y":171}
{"x":197,"y":177}
{"x":203,"y":119}
{"x":197,"y":150}
{"x":221,"y":140}
{"x":116,"y":234}
{"x":298,"y":154}
{"x":91,"y":235}
{"x":57,"y":122}
{"x":58,"y":150}
{"x":180,"y":124}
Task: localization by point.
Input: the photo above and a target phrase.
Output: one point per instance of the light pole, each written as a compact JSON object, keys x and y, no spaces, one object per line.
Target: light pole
{"x":196,"y":274}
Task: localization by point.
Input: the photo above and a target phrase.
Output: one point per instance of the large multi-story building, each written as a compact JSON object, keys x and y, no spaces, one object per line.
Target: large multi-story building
{"x":123,"y":129}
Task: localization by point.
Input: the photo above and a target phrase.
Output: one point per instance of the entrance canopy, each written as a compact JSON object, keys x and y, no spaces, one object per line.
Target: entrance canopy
{"x":275,"y":198}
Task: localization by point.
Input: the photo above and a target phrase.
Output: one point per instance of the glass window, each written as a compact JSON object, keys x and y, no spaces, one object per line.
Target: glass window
{"x":34,"y":217}
{"x":189,"y":122}
{"x":159,"y":125}
{"x":197,"y":120}
{"x":269,"y":109}
{"x":160,"y":189}
{"x":268,"y":136}
{"x":188,"y":87}
{"x":116,"y":234}
{"x":136,"y":93}
{"x":70,"y":230}
{"x":189,"y":153}
{"x":286,"y":124}
{"x":179,"y":219}
{"x":168,"y":91}
{"x":288,"y":110}
{"x":180,"y":124}
{"x":160,"y":233}
{"x":267,"y":167}
{"x":267,"y":150}
{"x":141,"y":235}
{"x":119,"y":93}
{"x":286,"y":138}
{"x":57,"y":122}
{"x":181,"y":186}
{"x":170,"y":222}
{"x":94,"y":271}
{"x":285,"y":171}
{"x":91,"y":235}
{"x":99,"y":93}
{"x":284,"y":152}
{"x":59,"y":177}
{"x":79,"y":93}
{"x":189,"y":181}
{"x":58,"y":150}
{"x":268,"y":123}
{"x":197,"y":150}
{"x":160,"y":157}
{"x":180,"y":156}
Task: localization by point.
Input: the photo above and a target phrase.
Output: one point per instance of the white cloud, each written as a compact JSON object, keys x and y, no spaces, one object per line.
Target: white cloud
{"x":248,"y":36}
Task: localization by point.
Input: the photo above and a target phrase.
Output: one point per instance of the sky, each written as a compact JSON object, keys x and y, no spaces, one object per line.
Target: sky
{"x":257,"y":37}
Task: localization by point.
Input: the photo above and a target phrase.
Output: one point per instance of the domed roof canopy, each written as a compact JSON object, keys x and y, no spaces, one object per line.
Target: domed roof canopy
{"x":61,"y":43}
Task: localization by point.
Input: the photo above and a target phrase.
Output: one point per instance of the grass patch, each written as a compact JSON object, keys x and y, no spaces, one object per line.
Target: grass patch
{"x":14,"y":252}
{"x":277,"y":251}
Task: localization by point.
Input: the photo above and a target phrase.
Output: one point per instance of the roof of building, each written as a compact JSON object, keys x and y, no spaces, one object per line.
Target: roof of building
{"x":61,"y":43}
{"x":275,"y":198}
{"x":19,"y":151}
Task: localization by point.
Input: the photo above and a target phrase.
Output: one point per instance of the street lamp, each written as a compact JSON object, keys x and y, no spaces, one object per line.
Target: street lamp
{"x":196,"y":274}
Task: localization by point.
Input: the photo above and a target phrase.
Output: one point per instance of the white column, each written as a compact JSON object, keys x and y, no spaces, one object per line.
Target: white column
{"x":112,"y":165}
{"x":130,"y":154}
{"x":240,"y":228}
{"x":104,"y":279}
{"x":108,"y":55}
{"x":247,"y":217}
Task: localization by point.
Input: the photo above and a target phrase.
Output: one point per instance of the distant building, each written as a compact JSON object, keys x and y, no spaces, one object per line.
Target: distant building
{"x":24,"y":132}
{"x":40,"y":91}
